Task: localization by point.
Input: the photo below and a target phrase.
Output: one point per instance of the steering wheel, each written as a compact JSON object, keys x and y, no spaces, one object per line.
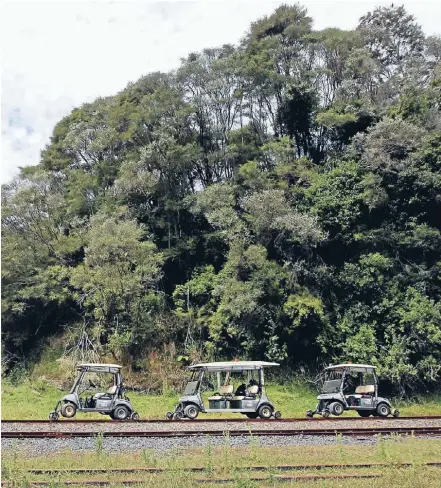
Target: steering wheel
{"x":87,"y":387}
{"x":208,"y":386}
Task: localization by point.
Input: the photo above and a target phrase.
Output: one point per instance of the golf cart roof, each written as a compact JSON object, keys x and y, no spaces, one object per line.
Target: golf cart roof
{"x":355,"y":367}
{"x":99,"y":367}
{"x":233,"y":366}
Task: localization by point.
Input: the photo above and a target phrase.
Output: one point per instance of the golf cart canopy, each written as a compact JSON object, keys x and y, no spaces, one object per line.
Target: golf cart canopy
{"x":99,"y":367}
{"x":232,"y":366}
{"x":358,"y":368}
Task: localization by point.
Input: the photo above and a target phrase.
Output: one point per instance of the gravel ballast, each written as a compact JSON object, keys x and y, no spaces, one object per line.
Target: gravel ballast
{"x":39,"y":447}
{"x":36,"y":447}
{"x":107,"y":426}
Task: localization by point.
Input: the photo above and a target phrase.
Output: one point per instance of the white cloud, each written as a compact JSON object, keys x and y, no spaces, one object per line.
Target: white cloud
{"x":59,"y":55}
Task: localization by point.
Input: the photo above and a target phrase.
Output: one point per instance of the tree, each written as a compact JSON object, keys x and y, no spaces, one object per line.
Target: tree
{"x":393,"y":37}
{"x":116,"y":286}
{"x":277,"y":199}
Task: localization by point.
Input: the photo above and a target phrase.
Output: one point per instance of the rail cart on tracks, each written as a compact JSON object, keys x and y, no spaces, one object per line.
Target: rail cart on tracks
{"x":352,"y":387}
{"x":249,"y":398}
{"x":113,"y":402}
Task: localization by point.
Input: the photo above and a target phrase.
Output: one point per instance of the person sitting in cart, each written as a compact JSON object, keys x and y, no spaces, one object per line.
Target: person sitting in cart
{"x":349,"y":384}
{"x":245,"y":389}
{"x":241,"y":390}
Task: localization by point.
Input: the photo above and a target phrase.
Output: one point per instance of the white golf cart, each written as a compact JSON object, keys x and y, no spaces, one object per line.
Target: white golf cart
{"x":352,"y":387}
{"x":248,"y":398}
{"x":113,"y":402}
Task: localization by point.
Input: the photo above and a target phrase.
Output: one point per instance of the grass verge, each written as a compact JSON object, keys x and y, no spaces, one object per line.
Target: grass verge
{"x":35,"y":399}
{"x":229,"y":462}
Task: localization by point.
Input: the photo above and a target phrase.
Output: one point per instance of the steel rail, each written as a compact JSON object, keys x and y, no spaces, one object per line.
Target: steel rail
{"x":216,"y":433}
{"x":273,"y":476}
{"x":278,"y":477}
{"x":283,"y":467}
{"x":203,"y":420}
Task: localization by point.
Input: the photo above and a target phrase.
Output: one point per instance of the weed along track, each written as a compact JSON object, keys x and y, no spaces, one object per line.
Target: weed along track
{"x":272,"y":477}
{"x":198,"y":469}
{"x":296,"y":472}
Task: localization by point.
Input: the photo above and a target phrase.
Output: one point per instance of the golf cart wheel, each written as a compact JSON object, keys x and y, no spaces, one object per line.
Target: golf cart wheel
{"x":177,"y":416}
{"x":68,"y":410}
{"x":396,"y":412}
{"x":135,"y":416}
{"x":121,"y":413}
{"x":383,"y":410}
{"x":54,"y":416}
{"x":277,"y":415}
{"x":191,"y":411}
{"x":364,"y":413}
{"x":326,"y":413}
{"x":265,"y":412}
{"x":169,"y":415}
{"x":252,"y":415}
{"x":336,"y":408}
{"x":310,"y":414}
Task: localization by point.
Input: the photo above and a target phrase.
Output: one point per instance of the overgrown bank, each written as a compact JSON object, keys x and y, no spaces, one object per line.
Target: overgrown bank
{"x":31,"y":400}
{"x":33,"y":393}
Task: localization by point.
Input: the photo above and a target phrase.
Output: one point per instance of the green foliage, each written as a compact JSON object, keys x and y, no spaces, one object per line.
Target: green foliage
{"x":303,"y":307}
{"x":337,"y":197}
{"x":332,"y":119}
{"x":279,"y":199}
{"x":393,"y":36}
{"x":117,"y":281}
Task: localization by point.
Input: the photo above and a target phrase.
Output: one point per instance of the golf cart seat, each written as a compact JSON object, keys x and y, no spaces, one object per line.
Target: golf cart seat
{"x":362,"y":391}
{"x":109,"y":393}
{"x":252,"y":391}
{"x":224,"y":391}
{"x":365,"y":390}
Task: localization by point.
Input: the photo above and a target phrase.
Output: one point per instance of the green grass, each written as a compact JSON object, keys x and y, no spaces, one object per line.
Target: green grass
{"x":32,"y":394}
{"x":226,"y":461}
{"x":34,"y":399}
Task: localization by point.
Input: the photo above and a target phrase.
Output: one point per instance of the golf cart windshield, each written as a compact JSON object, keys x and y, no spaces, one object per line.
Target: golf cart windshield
{"x":332,"y":381}
{"x":97,"y":377}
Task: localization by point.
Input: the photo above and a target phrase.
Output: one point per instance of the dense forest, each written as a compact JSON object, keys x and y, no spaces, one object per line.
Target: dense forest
{"x":279,"y":199}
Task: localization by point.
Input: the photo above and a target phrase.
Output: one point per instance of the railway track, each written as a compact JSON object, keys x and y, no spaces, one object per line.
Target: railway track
{"x":199,"y":469}
{"x":354,"y":432}
{"x":224,"y":420}
{"x":276,"y":477}
{"x":276,"y":473}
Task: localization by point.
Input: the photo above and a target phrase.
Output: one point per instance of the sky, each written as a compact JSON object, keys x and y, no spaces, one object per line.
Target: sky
{"x":57,"y":55}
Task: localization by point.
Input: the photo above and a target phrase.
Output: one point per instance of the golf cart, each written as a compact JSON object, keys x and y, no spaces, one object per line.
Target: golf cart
{"x":249,"y":398}
{"x":352,"y":387}
{"x":113,"y":402}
